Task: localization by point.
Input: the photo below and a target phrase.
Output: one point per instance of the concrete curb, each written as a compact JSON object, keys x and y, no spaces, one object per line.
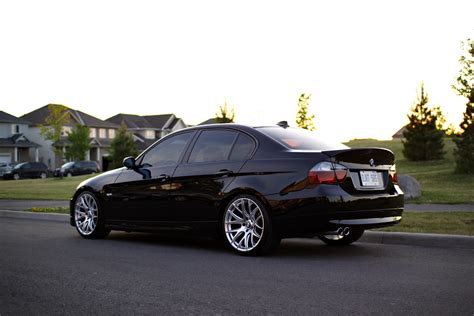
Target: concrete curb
{"x":417,"y":239}
{"x":31,"y":215}
{"x":376,"y":237}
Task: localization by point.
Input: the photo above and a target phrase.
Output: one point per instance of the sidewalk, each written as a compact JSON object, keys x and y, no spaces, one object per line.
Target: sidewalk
{"x":21,"y":205}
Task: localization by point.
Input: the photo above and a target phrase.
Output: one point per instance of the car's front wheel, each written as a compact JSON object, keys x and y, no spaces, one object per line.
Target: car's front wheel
{"x":88,"y":216}
{"x":348,"y":238}
{"x":16,"y":176}
{"x":43,"y":175}
{"x":248,"y":227}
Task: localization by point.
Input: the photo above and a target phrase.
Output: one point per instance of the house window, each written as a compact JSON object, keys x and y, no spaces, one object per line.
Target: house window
{"x":111,"y":133}
{"x":92,"y":133}
{"x":150,"y":134}
{"x":15,"y":129}
{"x":102,"y":133}
{"x":65,"y":130}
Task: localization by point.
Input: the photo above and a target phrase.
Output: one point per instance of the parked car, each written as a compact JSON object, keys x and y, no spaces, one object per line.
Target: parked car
{"x":251,"y":185}
{"x":76,"y":168}
{"x":5,"y":167}
{"x":27,"y":170}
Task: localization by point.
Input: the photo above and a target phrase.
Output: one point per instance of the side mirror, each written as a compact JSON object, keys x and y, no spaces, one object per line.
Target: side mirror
{"x":129,"y":162}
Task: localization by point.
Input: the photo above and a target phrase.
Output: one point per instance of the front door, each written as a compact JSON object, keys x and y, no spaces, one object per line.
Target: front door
{"x":142,"y":195}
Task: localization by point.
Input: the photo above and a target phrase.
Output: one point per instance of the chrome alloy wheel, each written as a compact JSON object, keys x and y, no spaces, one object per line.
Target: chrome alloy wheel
{"x":86,"y":213}
{"x":244,"y":224}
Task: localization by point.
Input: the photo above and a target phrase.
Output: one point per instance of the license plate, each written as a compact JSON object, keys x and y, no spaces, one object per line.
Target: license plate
{"x":369,"y":178}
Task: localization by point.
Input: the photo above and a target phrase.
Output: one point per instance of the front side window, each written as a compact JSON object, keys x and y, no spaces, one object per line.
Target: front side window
{"x":111,"y":133}
{"x":212,"y":146}
{"x":168,"y":151}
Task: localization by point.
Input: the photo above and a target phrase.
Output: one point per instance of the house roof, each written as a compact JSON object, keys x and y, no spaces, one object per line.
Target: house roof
{"x":8,"y":118}
{"x":94,"y":142}
{"x":158,"y":122}
{"x":399,"y":133}
{"x":132,"y":121}
{"x":209,"y":121}
{"x":161,"y":121}
{"x":17,"y":140}
{"x":38,"y":116}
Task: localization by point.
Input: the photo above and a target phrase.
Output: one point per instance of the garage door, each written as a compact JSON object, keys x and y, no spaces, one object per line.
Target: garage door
{"x":5,"y":158}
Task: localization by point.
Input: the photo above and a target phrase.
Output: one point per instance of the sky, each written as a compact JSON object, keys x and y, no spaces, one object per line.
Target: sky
{"x":362,"y":61}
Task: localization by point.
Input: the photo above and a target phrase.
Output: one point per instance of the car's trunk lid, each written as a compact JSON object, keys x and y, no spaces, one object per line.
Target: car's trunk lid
{"x":368,"y":168}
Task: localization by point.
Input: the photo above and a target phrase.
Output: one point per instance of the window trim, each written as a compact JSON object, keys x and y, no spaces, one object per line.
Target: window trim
{"x":140,"y":157}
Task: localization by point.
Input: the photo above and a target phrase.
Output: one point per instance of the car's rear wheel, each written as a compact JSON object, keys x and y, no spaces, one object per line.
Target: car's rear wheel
{"x":88,"y":216}
{"x":68,"y":174}
{"x":16,"y":176}
{"x":248,"y":227}
{"x":333,"y":239}
{"x":43,"y":175}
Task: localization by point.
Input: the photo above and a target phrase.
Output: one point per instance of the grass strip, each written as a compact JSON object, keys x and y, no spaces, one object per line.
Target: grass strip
{"x":455,"y":223}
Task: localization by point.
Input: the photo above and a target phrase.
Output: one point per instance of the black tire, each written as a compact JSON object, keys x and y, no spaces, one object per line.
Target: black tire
{"x":43,"y":175}
{"x":88,"y":216}
{"x":353,"y":236}
{"x":68,"y":174}
{"x":16,"y":176}
{"x":248,"y":228}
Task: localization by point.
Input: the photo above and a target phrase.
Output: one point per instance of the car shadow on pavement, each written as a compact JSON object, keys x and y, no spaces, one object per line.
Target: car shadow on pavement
{"x":295,"y":247}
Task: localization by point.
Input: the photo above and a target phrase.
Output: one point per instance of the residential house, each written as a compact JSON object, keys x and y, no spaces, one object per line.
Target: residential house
{"x":399,"y":133}
{"x":101,"y":135}
{"x":14,"y":145}
{"x":147,"y":129}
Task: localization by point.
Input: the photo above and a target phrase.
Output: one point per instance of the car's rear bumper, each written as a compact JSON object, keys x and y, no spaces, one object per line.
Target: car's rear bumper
{"x":313,"y":214}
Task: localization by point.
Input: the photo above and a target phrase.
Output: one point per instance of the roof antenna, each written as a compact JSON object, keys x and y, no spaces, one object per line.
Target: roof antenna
{"x":283,"y":124}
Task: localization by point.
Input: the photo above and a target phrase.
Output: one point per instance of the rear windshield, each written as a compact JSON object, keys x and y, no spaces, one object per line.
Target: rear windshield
{"x":299,"y":139}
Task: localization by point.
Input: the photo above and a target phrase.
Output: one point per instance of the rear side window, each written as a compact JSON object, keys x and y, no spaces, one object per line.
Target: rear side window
{"x":243,"y":148}
{"x":212,"y":146}
{"x":300,"y":139}
{"x":168,"y":151}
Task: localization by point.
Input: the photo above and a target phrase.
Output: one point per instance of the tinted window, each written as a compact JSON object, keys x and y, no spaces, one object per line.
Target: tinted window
{"x":298,"y":138}
{"x":243,"y":148}
{"x":212,"y":146}
{"x":168,"y":151}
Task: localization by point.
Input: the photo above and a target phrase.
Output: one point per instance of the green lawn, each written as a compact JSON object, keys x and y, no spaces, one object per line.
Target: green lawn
{"x":40,"y":189}
{"x":456,"y":223}
{"x":437,"y":178}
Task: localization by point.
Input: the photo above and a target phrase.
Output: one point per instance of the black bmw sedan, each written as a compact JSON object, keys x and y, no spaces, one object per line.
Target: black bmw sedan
{"x":251,"y":185}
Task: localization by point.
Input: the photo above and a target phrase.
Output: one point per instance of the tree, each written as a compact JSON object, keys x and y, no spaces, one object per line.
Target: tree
{"x":122,"y":146}
{"x":79,"y":139}
{"x":225,"y":116}
{"x":53,"y":124}
{"x":464,"y":152}
{"x":423,"y":140}
{"x":303,"y":119}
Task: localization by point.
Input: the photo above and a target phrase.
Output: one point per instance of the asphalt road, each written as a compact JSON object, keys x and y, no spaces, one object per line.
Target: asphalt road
{"x":46,"y":268}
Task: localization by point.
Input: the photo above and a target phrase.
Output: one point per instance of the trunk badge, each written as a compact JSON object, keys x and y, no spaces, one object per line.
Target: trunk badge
{"x":371,"y":162}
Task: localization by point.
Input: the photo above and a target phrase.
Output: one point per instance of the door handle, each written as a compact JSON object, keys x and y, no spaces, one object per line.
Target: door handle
{"x":224,"y":172}
{"x":163,"y":177}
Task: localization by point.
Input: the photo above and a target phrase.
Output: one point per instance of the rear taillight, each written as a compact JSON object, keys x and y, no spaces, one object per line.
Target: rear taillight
{"x":392,"y":173}
{"x":327,"y":173}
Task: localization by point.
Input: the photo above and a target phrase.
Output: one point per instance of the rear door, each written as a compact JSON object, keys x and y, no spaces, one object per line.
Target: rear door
{"x":213,"y":163}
